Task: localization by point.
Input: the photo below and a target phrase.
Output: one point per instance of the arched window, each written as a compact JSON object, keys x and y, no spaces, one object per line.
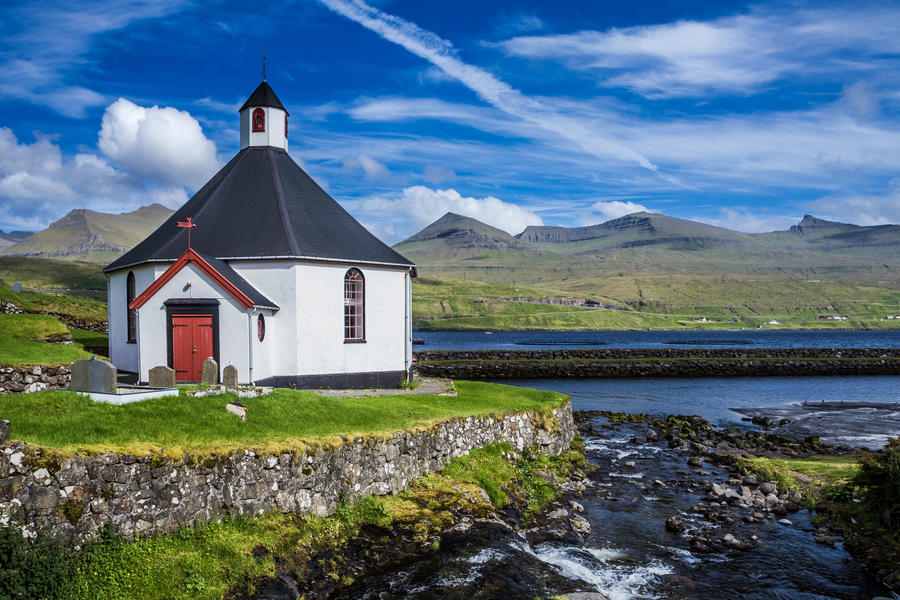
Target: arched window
{"x":259,"y":120}
{"x":354,"y":307}
{"x":132,"y":315}
{"x":261,"y":327}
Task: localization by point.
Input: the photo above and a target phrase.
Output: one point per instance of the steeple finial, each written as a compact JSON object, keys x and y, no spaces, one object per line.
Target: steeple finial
{"x":264,"y":65}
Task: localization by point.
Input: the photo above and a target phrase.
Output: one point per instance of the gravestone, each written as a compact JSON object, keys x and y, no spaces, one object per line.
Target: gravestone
{"x":17,"y":287}
{"x":93,"y":375}
{"x":162,"y":376}
{"x":209,"y":371}
{"x":229,"y":376}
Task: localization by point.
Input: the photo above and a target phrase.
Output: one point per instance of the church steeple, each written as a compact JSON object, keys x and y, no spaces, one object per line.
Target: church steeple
{"x":264,"y":120}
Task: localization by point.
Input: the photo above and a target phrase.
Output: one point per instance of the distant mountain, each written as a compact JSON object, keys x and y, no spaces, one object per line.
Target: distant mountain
{"x":463,"y":237}
{"x":8,"y":239}
{"x":637,"y":229}
{"x":584,"y":257}
{"x":92,"y":236}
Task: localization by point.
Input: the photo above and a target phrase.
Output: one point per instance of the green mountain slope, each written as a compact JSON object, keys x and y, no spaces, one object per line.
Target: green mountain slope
{"x":655,"y":266}
{"x":91,"y":236}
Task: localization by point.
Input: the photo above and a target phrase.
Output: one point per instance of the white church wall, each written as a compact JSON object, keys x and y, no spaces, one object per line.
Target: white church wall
{"x":320,"y":342}
{"x":233,"y":322}
{"x":277,"y":281}
{"x":122,"y":354}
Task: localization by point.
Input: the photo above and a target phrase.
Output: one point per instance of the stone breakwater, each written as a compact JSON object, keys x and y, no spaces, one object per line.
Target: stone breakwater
{"x":669,"y":362}
{"x":34,"y":378}
{"x":145,"y":495}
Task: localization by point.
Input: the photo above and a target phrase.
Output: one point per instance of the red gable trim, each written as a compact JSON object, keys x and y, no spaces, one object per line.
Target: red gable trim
{"x":188,"y":257}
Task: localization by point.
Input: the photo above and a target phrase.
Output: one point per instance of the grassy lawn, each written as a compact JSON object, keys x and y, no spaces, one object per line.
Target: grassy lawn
{"x":285,"y":419}
{"x":20,"y":343}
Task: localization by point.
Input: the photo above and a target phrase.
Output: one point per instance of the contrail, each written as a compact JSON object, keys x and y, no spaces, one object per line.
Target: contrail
{"x":489,"y":88}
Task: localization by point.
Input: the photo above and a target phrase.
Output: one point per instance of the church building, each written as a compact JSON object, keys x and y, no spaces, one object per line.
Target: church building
{"x":263,"y":270}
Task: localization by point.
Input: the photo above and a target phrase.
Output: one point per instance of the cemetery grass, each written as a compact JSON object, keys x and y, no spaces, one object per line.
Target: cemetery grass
{"x":20,"y":341}
{"x":66,"y":423}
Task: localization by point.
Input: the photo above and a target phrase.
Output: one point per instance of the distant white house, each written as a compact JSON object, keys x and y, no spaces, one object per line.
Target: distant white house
{"x":279,"y":280}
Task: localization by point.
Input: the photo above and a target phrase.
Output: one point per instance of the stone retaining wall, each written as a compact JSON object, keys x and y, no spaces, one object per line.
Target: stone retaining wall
{"x":676,"y":362}
{"x":34,"y":378}
{"x":152,"y":494}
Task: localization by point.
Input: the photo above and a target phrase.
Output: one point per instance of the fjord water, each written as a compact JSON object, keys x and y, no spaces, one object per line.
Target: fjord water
{"x":751,"y":338}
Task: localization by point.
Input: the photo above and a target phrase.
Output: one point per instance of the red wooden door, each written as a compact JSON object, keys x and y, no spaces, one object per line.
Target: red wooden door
{"x":192,"y":343}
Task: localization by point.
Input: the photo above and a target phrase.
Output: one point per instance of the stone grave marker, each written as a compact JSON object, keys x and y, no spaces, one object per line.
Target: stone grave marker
{"x":162,"y":376}
{"x":93,"y":375}
{"x":230,"y":377}
{"x":209,"y":371}
{"x":17,"y":287}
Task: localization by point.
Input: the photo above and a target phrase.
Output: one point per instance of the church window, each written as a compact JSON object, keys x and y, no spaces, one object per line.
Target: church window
{"x":261,"y":327}
{"x":285,"y":126}
{"x":259,"y":120}
{"x":354,"y":307}
{"x":132,"y":314}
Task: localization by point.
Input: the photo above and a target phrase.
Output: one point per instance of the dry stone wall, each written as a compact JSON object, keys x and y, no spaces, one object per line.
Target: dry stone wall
{"x":34,"y":378}
{"x":152,"y":494}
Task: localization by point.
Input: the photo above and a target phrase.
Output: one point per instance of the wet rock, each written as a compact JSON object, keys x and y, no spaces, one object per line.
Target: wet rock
{"x":785,"y":522}
{"x":674,"y":581}
{"x":695,"y":461}
{"x":769,"y":487}
{"x":575,"y":506}
{"x":630,"y":464}
{"x":674,"y":524}
{"x":718,"y":490}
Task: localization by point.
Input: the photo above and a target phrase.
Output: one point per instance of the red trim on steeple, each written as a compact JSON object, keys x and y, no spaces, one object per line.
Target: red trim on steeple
{"x":191,"y":256}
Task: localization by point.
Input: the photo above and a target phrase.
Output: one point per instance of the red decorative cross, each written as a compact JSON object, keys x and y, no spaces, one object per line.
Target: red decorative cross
{"x":189,"y":225}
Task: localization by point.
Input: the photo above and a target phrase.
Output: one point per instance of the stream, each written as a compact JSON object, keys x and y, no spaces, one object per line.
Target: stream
{"x":629,"y":553}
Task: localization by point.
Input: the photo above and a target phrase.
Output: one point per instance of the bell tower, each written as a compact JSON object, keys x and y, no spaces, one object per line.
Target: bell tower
{"x":264,"y":120}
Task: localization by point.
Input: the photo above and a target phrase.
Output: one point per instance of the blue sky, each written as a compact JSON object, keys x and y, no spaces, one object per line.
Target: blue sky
{"x":566,"y":113}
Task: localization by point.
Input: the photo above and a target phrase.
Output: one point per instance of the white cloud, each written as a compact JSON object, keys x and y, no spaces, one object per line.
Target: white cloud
{"x":438,"y":174}
{"x":163,"y":145}
{"x":741,"y":53}
{"x":488,"y":87}
{"x":748,"y":221}
{"x":420,"y":205}
{"x":872,"y":209}
{"x":38,"y":185}
{"x":373,"y":170}
{"x":613,"y":209}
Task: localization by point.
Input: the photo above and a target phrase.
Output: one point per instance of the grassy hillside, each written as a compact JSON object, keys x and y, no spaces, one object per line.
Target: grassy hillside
{"x":654,"y":302}
{"x":22,"y":341}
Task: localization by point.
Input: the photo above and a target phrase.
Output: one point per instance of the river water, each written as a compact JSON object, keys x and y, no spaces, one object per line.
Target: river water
{"x":629,"y":554}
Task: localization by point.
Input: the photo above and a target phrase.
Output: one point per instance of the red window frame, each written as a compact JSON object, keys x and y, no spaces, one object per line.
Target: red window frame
{"x":259,"y":120}
{"x":261,"y":327}
{"x":132,"y":314}
{"x":354,"y":306}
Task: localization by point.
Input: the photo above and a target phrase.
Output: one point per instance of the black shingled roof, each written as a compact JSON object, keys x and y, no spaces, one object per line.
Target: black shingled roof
{"x":262,"y":204}
{"x":239,"y":282}
{"x":264,"y":95}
